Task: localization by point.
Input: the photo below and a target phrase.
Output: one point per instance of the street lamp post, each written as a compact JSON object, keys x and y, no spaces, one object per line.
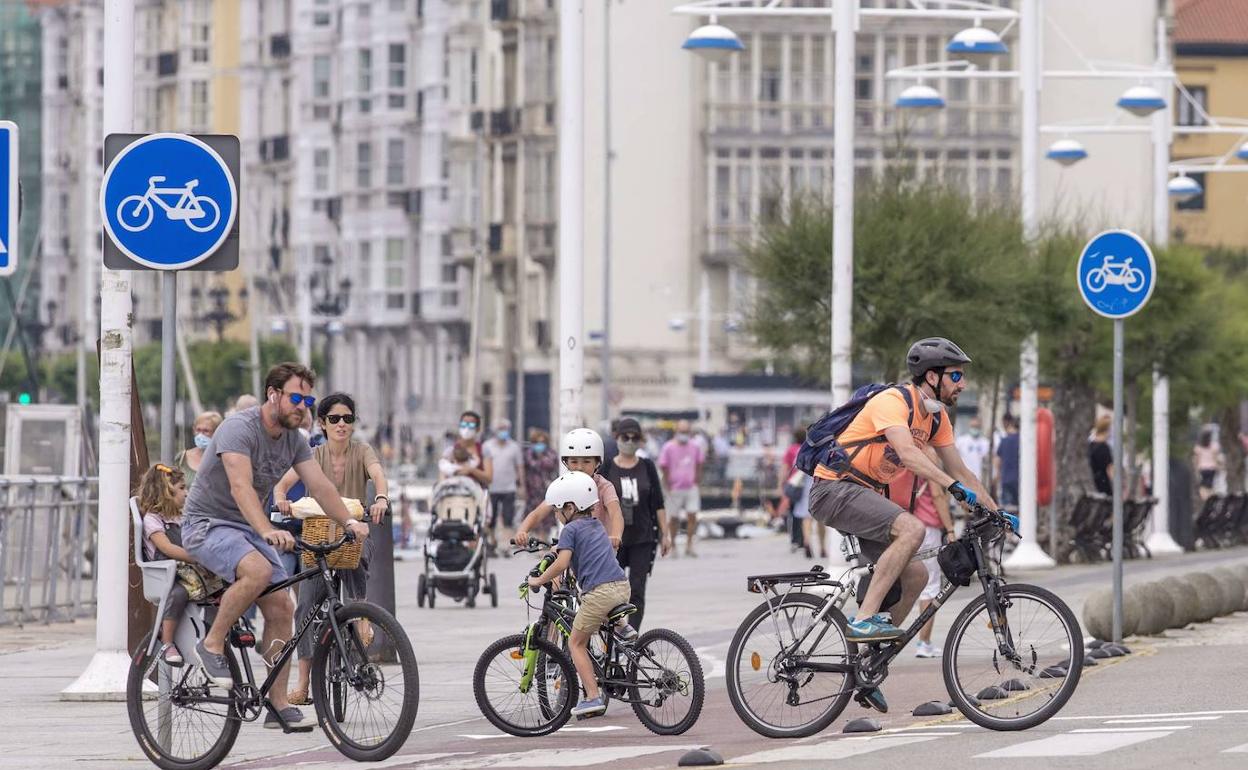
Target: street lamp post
{"x":571,"y":213}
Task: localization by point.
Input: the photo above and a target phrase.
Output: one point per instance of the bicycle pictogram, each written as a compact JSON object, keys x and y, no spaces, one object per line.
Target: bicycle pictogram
{"x":198,"y":212}
{"x":1111,"y":273}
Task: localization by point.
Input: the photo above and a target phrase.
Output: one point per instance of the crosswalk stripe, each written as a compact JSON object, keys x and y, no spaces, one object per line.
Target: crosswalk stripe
{"x":1075,"y":744}
{"x":560,"y":757}
{"x":828,"y":750}
{"x":1142,"y":716}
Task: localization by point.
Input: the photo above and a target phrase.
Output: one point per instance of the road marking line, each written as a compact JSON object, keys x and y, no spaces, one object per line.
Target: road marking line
{"x":1236,"y":750}
{"x":1166,"y":714}
{"x":1159,"y":719}
{"x":1074,"y":745}
{"x":483,"y":737}
{"x":565,"y":757}
{"x":828,"y":750}
{"x":1130,"y":729}
{"x":603,"y":729}
{"x":713,"y":667}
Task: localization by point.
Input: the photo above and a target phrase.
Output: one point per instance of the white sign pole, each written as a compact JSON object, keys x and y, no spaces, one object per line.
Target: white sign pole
{"x":1118,"y":480}
{"x":105,"y":676}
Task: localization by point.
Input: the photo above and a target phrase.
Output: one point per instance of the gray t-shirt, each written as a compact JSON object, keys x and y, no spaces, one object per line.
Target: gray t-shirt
{"x":593,"y":558}
{"x":244,"y":433}
{"x":506,"y":458}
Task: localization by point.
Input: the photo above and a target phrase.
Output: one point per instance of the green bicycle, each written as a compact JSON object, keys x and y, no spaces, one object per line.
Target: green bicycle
{"x":526,"y":685}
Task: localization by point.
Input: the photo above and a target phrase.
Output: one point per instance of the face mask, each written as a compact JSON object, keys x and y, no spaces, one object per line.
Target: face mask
{"x":682,"y":438}
{"x":975,"y":432}
{"x":932,"y":405}
{"x":466,"y":433}
{"x":628,"y":448}
{"x":503,"y":435}
{"x":539,"y":447}
{"x":201,"y":441}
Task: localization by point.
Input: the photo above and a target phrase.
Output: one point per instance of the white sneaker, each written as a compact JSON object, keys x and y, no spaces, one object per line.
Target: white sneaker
{"x":927,"y":650}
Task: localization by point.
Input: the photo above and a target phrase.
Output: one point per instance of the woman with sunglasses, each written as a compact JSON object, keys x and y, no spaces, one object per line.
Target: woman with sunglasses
{"x":349,"y":464}
{"x":636,"y":481}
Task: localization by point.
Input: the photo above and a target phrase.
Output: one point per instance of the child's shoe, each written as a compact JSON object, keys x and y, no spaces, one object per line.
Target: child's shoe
{"x":170,"y":655}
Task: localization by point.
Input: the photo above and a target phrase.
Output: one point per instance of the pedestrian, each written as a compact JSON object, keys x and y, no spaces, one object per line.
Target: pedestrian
{"x":481,"y":468}
{"x":162,"y":493}
{"x":541,"y":466}
{"x":1005,"y":464}
{"x":188,"y":460}
{"x":636,"y":481}
{"x":245,"y":401}
{"x":1209,"y":461}
{"x":1101,"y":457}
{"x":681,"y":461}
{"x":507,"y":460}
{"x":349,"y":464}
{"x":973,"y":446}
{"x":933,"y":511}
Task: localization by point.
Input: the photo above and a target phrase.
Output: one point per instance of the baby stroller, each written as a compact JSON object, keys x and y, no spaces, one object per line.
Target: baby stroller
{"x":455,"y":550}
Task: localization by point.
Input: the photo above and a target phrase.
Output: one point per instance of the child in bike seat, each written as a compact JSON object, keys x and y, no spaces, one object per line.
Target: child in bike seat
{"x":584,"y":546}
{"x":162,"y":492}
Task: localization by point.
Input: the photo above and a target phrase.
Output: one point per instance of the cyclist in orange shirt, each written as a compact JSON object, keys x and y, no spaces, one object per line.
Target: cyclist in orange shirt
{"x":897,"y":426}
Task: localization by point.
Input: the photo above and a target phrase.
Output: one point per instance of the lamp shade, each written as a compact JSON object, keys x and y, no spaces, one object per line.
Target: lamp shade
{"x":977,"y":45}
{"x":1141,"y":101}
{"x":1066,"y":151}
{"x":713,"y":42}
{"x":1242,"y":152}
{"x":920,"y":97}
{"x":1184,"y":188}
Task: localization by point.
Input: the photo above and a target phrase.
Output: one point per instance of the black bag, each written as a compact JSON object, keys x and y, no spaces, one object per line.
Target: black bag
{"x":957,"y":561}
{"x":452,"y":556}
{"x":892,"y":597}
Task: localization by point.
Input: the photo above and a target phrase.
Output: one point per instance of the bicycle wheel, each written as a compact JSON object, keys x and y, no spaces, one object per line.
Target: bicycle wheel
{"x":1045,"y":634}
{"x":499,"y":685}
{"x":366,"y":704}
{"x":666,"y":684}
{"x":769,"y":688}
{"x":174,"y":727}
{"x":135,"y":213}
{"x":211,"y":215}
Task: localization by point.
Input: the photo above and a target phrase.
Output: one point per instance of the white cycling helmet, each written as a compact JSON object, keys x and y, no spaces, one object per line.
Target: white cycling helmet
{"x":576,"y":488}
{"x":582,"y":442}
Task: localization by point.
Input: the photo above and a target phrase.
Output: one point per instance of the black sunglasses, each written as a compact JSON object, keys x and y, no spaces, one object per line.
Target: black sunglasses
{"x":630,"y":437}
{"x":334,"y":419}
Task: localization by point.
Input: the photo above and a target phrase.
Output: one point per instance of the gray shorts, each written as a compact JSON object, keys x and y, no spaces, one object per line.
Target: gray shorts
{"x":855,"y":510}
{"x":220,"y":545}
{"x":681,"y":501}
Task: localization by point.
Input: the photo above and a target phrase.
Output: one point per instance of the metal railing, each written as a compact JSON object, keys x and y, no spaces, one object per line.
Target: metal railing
{"x":47,"y":548}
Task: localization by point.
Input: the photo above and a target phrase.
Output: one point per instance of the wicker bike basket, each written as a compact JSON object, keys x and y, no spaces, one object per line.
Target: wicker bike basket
{"x":319,"y":530}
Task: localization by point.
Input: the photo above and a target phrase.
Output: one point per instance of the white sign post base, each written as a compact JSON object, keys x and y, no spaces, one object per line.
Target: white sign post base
{"x":103,"y":680}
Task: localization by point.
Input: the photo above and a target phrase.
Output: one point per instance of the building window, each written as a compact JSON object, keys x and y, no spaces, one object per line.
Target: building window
{"x":395,"y":162}
{"x":365,"y":267}
{"x":364,"y":70}
{"x":201,"y":30}
{"x":364,"y":165}
{"x":1189,"y":115}
{"x":397,"y":77}
{"x":320,"y":169}
{"x":396,"y":283}
{"x":320,"y":77}
{"x":199,"y":104}
{"x":321,"y":18}
{"x":472,"y":76}
{"x":1197,"y":203}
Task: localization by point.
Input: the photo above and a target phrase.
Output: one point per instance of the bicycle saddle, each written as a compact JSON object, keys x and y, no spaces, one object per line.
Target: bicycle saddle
{"x":620,"y":611}
{"x":155,"y":179}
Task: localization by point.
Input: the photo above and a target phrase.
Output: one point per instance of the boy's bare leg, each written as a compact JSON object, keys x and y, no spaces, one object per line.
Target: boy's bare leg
{"x":579,"y":647}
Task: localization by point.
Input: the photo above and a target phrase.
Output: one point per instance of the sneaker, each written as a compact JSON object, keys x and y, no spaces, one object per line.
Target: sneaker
{"x":170,"y":655}
{"x":872,"y":699}
{"x":626,"y":632}
{"x":927,"y":650}
{"x":877,"y":628}
{"x":590,"y":708}
{"x":215,"y":666}
{"x":296,"y":722}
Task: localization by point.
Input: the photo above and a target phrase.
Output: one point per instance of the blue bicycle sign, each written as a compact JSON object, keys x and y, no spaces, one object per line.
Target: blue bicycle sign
{"x":168,"y":201}
{"x":1116,"y":273}
{"x":198,"y":212}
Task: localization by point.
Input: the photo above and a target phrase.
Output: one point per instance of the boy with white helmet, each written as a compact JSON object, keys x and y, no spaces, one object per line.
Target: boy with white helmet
{"x":581,"y":451}
{"x":583,"y":545}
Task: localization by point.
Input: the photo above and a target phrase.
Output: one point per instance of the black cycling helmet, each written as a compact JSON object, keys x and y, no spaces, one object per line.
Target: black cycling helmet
{"x":934,"y":353}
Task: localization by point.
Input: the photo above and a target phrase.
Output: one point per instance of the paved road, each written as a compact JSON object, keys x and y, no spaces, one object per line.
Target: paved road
{"x":1178,"y":701}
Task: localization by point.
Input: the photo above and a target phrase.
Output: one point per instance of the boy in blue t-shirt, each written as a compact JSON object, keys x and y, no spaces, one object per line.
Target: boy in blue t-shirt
{"x":584,"y":546}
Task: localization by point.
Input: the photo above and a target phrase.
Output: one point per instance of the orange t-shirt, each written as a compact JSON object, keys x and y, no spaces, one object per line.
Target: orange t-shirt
{"x":888,"y":408}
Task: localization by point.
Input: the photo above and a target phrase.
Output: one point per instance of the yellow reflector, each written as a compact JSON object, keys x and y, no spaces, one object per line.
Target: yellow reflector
{"x":756,"y":661}
{"x":517,"y":654}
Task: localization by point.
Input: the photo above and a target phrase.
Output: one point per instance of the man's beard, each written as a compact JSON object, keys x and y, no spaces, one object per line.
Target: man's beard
{"x":292,"y":420}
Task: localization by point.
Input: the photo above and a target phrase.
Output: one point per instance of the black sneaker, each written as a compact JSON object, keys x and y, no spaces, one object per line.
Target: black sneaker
{"x":296,"y":722}
{"x":215,"y":666}
{"x":872,"y":699}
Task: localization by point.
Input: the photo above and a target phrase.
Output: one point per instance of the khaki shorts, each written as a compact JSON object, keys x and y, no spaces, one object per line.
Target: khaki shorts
{"x":851,"y":508}
{"x":683,"y":501}
{"x":598,"y":603}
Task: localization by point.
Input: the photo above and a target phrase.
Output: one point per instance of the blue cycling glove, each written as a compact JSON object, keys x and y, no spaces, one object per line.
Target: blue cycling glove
{"x":961,"y":493}
{"x":1011,"y":519}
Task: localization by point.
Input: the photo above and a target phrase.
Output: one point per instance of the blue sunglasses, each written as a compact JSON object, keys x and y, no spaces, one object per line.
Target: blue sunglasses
{"x":956,"y":377}
{"x":310,"y":401}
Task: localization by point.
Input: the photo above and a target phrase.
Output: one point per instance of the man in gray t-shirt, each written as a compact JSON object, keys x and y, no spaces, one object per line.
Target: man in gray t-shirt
{"x":226,"y":529}
{"x":507,"y":461}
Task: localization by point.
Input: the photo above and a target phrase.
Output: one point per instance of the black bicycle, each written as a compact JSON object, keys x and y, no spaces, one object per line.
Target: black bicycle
{"x":1012,"y":660}
{"x":365,"y":684}
{"x":526,"y":685}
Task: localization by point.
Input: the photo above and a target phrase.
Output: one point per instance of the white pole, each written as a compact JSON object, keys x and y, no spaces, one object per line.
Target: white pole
{"x":105,"y":676}
{"x":1118,"y":482}
{"x":1160,"y":542}
{"x":571,"y":213}
{"x":606,"y":211}
{"x":844,"y":25}
{"x":1029,"y":554}
{"x":704,"y":323}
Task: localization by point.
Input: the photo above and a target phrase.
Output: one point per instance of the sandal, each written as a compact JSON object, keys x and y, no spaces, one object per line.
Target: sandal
{"x":299,"y":697}
{"x":365,"y":630}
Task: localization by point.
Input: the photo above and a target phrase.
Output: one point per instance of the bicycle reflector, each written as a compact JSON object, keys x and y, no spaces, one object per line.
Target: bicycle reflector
{"x":517,"y":654}
{"x":756,"y":661}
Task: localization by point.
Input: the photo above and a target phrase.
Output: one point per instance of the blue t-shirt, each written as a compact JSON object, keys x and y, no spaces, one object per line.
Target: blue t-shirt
{"x":593,"y":558}
{"x":1007,"y":450}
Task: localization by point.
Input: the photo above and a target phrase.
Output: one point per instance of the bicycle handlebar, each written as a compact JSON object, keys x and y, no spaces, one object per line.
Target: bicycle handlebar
{"x":534,"y":545}
{"x":985,"y":516}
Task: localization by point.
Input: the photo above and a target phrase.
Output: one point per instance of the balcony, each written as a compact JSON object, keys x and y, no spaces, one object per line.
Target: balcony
{"x":275,"y":149}
{"x":504,"y":122}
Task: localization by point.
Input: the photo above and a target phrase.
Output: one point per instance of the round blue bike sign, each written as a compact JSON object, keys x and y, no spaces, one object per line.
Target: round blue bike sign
{"x":1116,"y":273}
{"x":168,"y":201}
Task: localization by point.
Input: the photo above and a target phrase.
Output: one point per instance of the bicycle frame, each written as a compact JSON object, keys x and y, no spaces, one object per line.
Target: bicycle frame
{"x":185,"y":194}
